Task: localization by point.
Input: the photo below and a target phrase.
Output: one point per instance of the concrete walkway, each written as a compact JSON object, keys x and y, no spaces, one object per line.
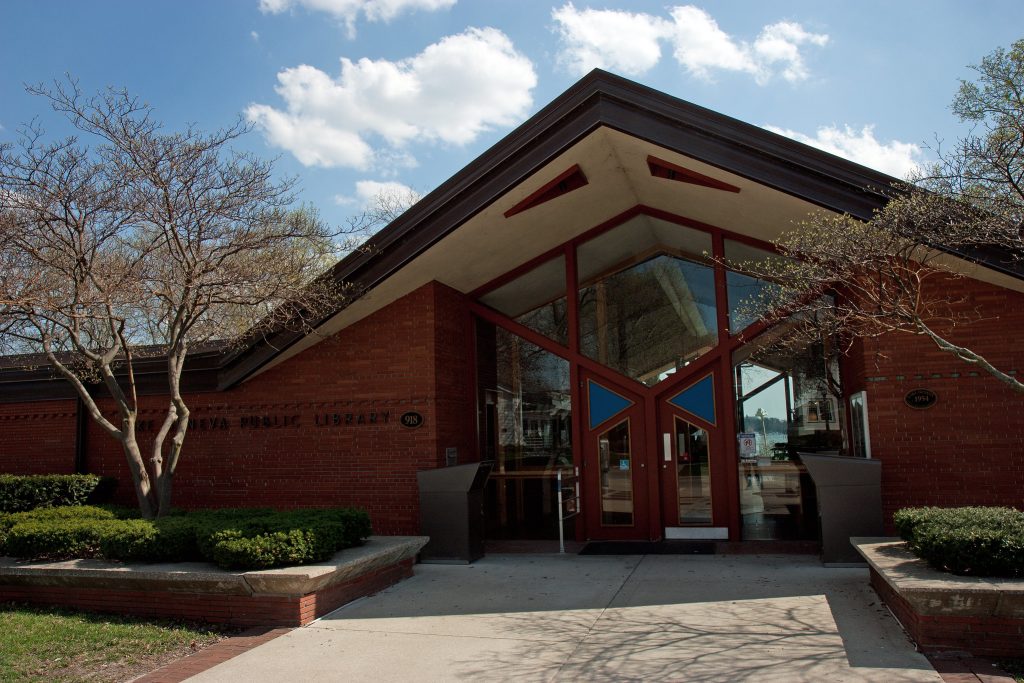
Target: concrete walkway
{"x":617,"y":618}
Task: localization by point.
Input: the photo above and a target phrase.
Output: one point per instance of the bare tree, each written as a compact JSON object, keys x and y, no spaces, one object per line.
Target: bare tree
{"x":840,"y":276}
{"x":140,"y":242}
{"x":384,"y":207}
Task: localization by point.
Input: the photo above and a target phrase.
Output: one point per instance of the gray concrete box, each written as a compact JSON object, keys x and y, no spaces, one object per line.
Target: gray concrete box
{"x":849,"y":503}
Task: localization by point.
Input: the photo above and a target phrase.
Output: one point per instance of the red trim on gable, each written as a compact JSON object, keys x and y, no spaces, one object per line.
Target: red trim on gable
{"x":669,"y":171}
{"x":567,"y":181}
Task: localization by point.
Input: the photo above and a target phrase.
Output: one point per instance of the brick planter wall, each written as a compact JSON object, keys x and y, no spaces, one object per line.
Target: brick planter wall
{"x":942,"y":612}
{"x":981,"y":636}
{"x":238,"y":610}
{"x":290,"y":596}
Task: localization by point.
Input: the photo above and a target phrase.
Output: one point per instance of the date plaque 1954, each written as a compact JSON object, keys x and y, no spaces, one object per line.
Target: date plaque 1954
{"x":920,"y":398}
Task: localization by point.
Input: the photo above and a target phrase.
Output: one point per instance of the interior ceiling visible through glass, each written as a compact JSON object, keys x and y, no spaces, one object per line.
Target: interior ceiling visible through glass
{"x":536,"y":299}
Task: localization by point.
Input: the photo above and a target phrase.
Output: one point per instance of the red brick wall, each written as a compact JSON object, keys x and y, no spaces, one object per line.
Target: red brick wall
{"x":968,"y":449}
{"x":38,"y":438}
{"x":981,"y":636}
{"x":239,"y":610}
{"x":409,"y":356}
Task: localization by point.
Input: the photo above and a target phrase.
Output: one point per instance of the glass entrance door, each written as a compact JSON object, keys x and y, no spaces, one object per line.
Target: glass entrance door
{"x":691,"y":455}
{"x":614,"y":465}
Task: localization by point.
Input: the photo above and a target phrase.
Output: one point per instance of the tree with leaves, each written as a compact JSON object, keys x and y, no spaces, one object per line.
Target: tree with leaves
{"x":840,"y":277}
{"x":132,"y":241}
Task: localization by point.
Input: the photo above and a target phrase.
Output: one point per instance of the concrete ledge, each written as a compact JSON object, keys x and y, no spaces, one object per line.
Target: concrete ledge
{"x":943,"y":612}
{"x":289,"y":596}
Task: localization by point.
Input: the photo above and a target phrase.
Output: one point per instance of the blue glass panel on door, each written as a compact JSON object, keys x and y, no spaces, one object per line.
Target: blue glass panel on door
{"x":604,"y":403}
{"x":698,"y":399}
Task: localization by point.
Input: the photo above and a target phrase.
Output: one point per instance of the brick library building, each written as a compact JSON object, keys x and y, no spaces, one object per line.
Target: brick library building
{"x":560,"y":306}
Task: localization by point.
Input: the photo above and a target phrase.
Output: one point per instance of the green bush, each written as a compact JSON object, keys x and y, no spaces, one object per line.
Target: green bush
{"x":974,"y":541}
{"x":59,"y":539}
{"x":22,"y":493}
{"x":49,"y":515}
{"x":233,"y":539}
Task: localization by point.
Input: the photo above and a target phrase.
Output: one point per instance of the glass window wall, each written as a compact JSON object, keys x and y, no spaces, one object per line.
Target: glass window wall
{"x":536,"y":299}
{"x":788,"y":400}
{"x":749,"y":297}
{"x":525,"y":427}
{"x":647,"y":299}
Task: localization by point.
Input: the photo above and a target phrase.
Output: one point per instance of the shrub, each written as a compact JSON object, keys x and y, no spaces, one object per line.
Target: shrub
{"x":59,"y":539}
{"x":233,"y":539}
{"x":975,"y":541}
{"x":294,"y":537}
{"x":22,"y":493}
{"x":48,"y":515}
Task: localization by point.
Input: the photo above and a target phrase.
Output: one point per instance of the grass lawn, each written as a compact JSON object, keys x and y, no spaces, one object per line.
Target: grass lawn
{"x":52,"y":644}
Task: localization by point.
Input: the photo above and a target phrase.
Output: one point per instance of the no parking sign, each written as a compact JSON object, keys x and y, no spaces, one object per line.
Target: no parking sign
{"x":748,"y":443}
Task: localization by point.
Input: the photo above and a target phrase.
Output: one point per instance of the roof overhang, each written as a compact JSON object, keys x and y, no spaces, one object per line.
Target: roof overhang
{"x":608,"y":128}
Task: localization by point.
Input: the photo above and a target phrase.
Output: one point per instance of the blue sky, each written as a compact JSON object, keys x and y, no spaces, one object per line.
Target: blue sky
{"x":349,"y":94}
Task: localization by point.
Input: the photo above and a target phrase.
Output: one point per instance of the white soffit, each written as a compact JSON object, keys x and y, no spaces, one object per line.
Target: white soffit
{"x":615,"y":165}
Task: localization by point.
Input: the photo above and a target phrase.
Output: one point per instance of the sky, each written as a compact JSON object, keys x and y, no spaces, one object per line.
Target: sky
{"x":352,"y":97}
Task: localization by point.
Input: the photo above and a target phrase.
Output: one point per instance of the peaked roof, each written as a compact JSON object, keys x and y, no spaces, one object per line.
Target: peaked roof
{"x":598,"y":99}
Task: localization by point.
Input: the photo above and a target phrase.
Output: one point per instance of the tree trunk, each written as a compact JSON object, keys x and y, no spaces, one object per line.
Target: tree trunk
{"x":140,"y":477}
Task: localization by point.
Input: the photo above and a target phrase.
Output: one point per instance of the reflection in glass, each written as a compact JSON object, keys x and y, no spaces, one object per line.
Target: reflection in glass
{"x":616,"y":463}
{"x":650,"y":319}
{"x":860,"y":440}
{"x":536,"y":299}
{"x":525,"y":428}
{"x":693,"y":474}
{"x":749,"y":297}
{"x":647,"y":298}
{"x":787,"y":398}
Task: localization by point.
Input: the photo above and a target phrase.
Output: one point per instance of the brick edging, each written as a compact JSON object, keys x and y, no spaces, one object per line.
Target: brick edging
{"x":209,"y":657}
{"x":981,"y":636}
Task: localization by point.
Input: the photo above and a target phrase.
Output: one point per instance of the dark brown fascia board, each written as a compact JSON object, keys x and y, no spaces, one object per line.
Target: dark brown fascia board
{"x":42,"y":382}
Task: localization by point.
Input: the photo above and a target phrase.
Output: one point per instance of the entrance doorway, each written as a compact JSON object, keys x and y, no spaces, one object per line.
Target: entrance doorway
{"x":691,"y":458}
{"x":614,"y":462}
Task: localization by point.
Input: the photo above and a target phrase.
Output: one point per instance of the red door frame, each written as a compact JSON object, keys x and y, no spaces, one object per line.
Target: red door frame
{"x":590,"y":471}
{"x":718,"y":460}
{"x":718,"y":359}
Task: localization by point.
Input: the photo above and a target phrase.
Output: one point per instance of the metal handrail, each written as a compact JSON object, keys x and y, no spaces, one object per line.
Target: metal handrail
{"x":562,"y":516}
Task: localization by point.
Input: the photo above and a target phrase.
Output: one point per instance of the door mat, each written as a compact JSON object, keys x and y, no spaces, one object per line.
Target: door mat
{"x":649,"y":548}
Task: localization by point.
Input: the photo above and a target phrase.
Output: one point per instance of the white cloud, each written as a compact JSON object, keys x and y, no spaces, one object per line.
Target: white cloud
{"x":896,"y":158}
{"x":631,"y":43}
{"x":348,"y":11}
{"x":254,"y":35}
{"x":609,"y":39}
{"x":780,"y":43}
{"x":369,"y":192}
{"x":451,"y":92}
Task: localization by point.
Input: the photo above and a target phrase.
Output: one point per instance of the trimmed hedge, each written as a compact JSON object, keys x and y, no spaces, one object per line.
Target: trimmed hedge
{"x":23,"y":493}
{"x":232,"y":539}
{"x":970,"y":541}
